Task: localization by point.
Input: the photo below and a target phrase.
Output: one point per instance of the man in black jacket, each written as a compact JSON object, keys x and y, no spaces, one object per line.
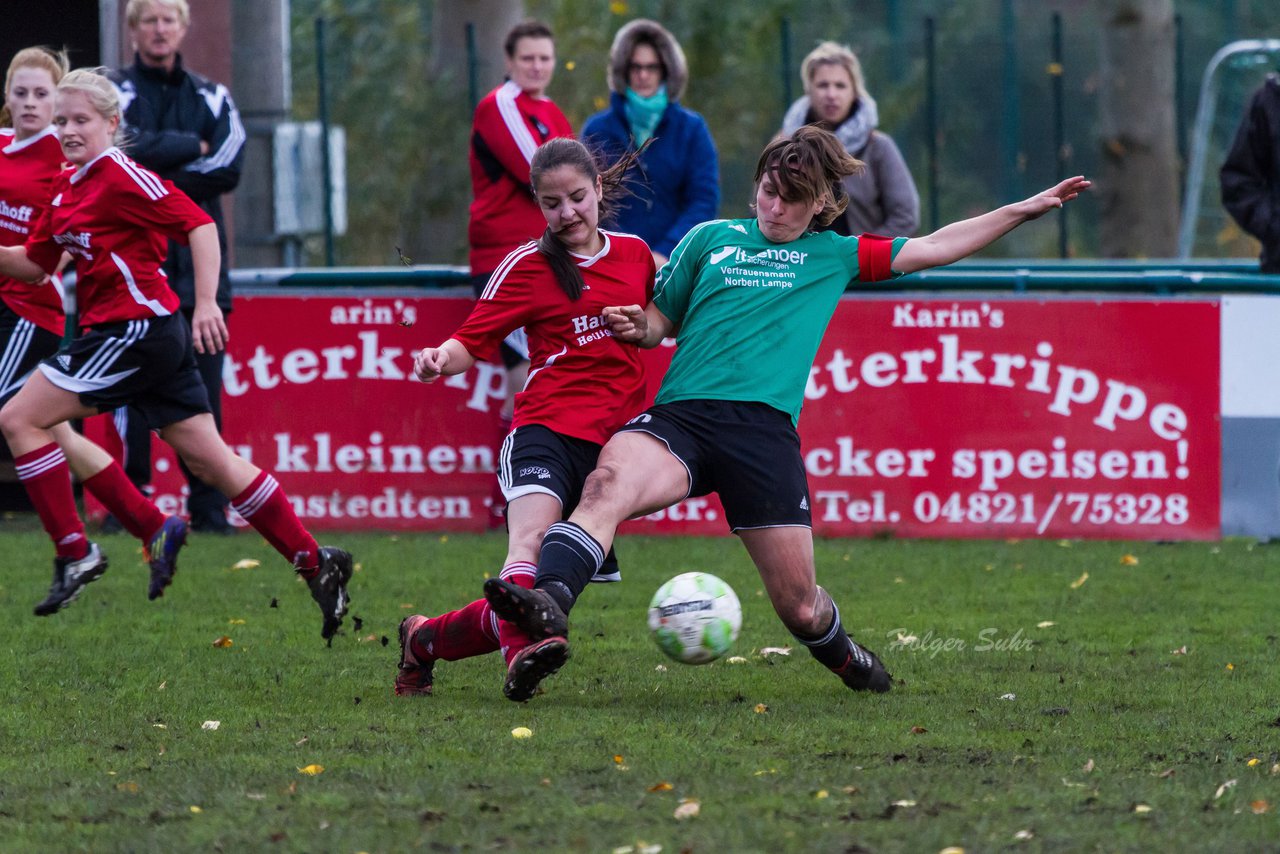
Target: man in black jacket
{"x":1251,"y":174}
{"x":186,"y":129}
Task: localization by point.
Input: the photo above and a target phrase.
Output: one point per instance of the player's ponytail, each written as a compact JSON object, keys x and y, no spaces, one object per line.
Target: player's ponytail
{"x":563,"y":151}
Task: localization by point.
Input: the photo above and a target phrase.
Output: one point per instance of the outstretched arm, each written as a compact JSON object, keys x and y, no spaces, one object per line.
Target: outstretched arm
{"x":645,"y":327}
{"x":446,"y":360}
{"x":15,"y":264}
{"x":962,"y":239}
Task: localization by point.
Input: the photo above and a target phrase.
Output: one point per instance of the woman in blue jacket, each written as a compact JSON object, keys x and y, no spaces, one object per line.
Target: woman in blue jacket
{"x":676,"y":184}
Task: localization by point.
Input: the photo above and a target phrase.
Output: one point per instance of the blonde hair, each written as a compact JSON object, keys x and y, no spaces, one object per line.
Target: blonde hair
{"x":133,"y":12}
{"x":54,"y":62}
{"x":830,"y":53}
{"x":101,"y":92}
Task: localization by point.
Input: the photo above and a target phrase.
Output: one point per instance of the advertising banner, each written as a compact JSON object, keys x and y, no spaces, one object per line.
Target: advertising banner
{"x":923,"y":418}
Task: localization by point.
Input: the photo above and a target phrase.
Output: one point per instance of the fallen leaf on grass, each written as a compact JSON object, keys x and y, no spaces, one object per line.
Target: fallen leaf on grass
{"x":1044,"y":624}
{"x":661,"y":668}
{"x":952,"y":849}
{"x":311,"y":770}
{"x":664,"y":786}
{"x":133,"y":788}
{"x":1088,"y":767}
{"x":689,"y":808}
{"x":775,"y":650}
{"x":1230,"y":666}
{"x":235,"y":622}
{"x":735,"y":659}
{"x":522,"y":732}
{"x":617,"y":759}
{"x":223,"y":642}
{"x":1254,"y":761}
{"x":163,"y":685}
{"x":301,"y":741}
{"x":1167,"y":773}
{"x":1023,"y":835}
{"x":906,"y":639}
{"x":761,"y":708}
{"x":1008,"y":696}
{"x":211,"y":725}
{"x":195,"y":809}
{"x":1259,"y":807}
{"x":1141,"y":809}
{"x":1182,"y":650}
{"x":903,"y":803}
{"x":160,"y":726}
{"x":1230,"y":784}
{"x":1129,"y":560}
{"x":247,"y":563}
{"x":255,"y":796}
{"x":639,"y":848}
{"x":1079,"y":582}
{"x":918,"y":730}
{"x":821,"y":794}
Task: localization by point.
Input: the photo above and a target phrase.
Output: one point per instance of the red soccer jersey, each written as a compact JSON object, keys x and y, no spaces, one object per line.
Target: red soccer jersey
{"x":582,"y":382}
{"x":508,"y":127}
{"x":115,"y":217}
{"x":27,"y":173}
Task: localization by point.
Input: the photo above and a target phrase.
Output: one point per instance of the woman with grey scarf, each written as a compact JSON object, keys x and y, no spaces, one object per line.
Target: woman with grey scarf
{"x":883,"y":198}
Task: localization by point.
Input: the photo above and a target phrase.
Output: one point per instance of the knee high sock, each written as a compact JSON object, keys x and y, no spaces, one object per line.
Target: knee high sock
{"x":570,"y":557}
{"x":510,"y":637}
{"x":264,"y":506}
{"x":458,"y":634}
{"x":831,"y":647}
{"x":125,"y":501}
{"x":47,"y":478}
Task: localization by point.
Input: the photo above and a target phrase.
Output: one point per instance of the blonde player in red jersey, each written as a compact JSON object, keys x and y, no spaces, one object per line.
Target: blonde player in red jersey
{"x":32,"y":321}
{"x":114,"y":218}
{"x":582,"y":386}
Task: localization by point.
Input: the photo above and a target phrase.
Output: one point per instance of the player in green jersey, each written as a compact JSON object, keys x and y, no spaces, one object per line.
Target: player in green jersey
{"x":748,"y":302}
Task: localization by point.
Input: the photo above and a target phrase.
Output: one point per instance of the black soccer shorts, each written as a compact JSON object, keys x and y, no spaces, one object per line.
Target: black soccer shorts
{"x":747,"y":453}
{"x":25,"y":345}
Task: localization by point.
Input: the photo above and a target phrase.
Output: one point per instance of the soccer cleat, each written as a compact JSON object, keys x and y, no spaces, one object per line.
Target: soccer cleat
{"x":161,"y":552}
{"x":69,"y":577}
{"x":534,"y":611}
{"x":329,"y":588}
{"x":863,"y":671}
{"x":415,"y":676}
{"x":531,"y":665}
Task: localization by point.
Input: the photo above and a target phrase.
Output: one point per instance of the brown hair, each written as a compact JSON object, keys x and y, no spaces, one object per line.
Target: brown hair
{"x":525,"y":30}
{"x":54,"y":62}
{"x":808,"y":164}
{"x":566,"y":151}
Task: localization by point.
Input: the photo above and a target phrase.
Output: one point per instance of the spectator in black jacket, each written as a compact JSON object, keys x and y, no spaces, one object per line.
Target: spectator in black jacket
{"x":185,"y":128}
{"x":1251,"y":174}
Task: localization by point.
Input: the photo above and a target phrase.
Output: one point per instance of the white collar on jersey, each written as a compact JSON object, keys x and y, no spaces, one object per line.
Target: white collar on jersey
{"x":79,"y":173}
{"x":15,"y":146}
{"x":588,"y":260}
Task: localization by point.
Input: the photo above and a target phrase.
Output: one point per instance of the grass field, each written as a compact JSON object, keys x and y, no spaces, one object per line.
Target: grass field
{"x":1056,"y":697}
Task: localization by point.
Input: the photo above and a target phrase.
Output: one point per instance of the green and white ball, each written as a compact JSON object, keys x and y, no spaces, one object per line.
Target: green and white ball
{"x":695,"y":617}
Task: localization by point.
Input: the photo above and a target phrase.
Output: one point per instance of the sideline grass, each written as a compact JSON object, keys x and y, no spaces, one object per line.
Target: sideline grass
{"x":985,"y":744}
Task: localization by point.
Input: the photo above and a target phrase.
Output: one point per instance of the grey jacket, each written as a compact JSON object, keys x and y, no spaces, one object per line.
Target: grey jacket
{"x":883,"y":199}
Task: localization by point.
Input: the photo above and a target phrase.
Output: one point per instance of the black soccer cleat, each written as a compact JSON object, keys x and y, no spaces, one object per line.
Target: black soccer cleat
{"x":329,"y":588}
{"x":863,"y":670}
{"x":70,"y":577}
{"x":531,"y":665}
{"x":534,"y":611}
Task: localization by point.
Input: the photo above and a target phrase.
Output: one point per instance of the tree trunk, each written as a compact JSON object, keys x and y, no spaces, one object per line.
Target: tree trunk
{"x":1138,"y":184}
{"x":493,"y":19}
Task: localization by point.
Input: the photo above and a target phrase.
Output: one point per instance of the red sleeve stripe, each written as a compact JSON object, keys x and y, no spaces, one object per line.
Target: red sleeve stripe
{"x":875,"y":258}
{"x":148,"y":181}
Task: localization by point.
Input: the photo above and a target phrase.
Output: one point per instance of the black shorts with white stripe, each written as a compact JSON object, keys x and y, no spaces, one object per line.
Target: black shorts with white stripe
{"x":536,"y":459}
{"x":747,"y":453}
{"x":148,"y":364}
{"x":25,"y":345}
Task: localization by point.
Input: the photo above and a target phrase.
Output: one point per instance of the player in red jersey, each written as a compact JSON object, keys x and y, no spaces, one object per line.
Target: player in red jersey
{"x":32,"y":321}
{"x":582,"y":386}
{"x":114,"y":218}
{"x":509,"y":125}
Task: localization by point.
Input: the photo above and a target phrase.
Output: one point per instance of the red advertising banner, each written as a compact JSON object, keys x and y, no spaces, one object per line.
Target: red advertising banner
{"x":923,"y":418}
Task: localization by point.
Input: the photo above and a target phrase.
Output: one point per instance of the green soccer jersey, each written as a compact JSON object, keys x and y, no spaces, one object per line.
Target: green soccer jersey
{"x":751,"y":313}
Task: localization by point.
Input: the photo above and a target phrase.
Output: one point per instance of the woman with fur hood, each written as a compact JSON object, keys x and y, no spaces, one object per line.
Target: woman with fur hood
{"x":676,"y":183}
{"x":883,"y":198}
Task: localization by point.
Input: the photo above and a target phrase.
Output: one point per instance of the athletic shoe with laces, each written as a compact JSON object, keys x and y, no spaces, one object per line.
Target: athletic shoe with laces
{"x":414,"y":677}
{"x":69,"y":577}
{"x":329,"y":588}
{"x":161,"y":552}
{"x":531,"y":665}
{"x":863,"y":670}
{"x":534,"y":611}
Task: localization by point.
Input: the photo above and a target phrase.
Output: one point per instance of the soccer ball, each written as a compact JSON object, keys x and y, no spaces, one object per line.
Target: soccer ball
{"x":695,"y":617}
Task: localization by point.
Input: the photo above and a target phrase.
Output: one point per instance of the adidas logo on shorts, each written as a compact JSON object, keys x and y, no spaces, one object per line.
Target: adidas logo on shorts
{"x":804,"y":503}
{"x":64,"y":361}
